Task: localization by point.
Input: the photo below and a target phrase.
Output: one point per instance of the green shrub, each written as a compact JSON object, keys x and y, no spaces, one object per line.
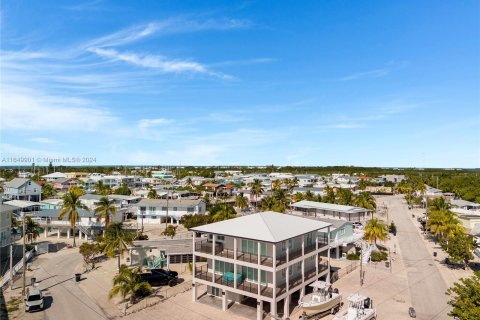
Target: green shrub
{"x":353,"y":256}
{"x":378,"y":256}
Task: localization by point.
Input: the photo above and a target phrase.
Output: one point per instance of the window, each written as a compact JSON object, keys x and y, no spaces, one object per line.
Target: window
{"x":290,"y":244}
{"x":222,"y":267}
{"x":312,"y":258}
{"x":152,"y":209}
{"x":164,"y":208}
{"x":249,"y":246}
{"x":189,"y":210}
{"x":283,"y":274}
{"x":251,"y":274}
{"x":142,"y":209}
{"x":283,"y":246}
{"x":309,"y":239}
{"x":290,"y":270}
{"x":174,"y":208}
{"x":299,"y":265}
{"x":218,"y":238}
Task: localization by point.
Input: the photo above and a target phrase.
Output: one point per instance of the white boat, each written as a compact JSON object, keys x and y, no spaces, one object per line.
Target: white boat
{"x":359,"y":308}
{"x":322,"y":299}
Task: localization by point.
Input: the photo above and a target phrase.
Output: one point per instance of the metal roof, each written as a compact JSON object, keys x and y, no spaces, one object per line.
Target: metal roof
{"x":54,"y":213}
{"x":22,"y":203}
{"x":55,"y":175}
{"x":16,"y":182}
{"x":328,"y":206}
{"x":7,"y":208}
{"x":171,"y":202}
{"x":266,"y":226}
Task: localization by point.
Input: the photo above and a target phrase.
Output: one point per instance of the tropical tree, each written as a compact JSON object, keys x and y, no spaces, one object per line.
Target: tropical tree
{"x":276,"y":184}
{"x":189,"y":183}
{"x":465,"y":298}
{"x":47,"y":191}
{"x":362,"y":185}
{"x":123,"y":190}
{"x":365,"y":200}
{"x":309,"y":196}
{"x":128,"y":282}
{"x":71,"y":207}
{"x":241,"y":201}
{"x":152,"y":194}
{"x":460,"y":248}
{"x":256,"y":189}
{"x":438,"y":204}
{"x":170,"y":231}
{"x":105,"y":210}
{"x":329,"y":195}
{"x":344,"y":197}
{"x":298,"y":197}
{"x":444,"y":224}
{"x":222,"y":212}
{"x":375,"y":230}
{"x":32,"y":229}
{"x":89,"y":251}
{"x":102,"y":189}
{"x":116,"y":241}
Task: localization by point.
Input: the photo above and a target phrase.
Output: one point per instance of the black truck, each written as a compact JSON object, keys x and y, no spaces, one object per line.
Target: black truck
{"x":160,"y":277}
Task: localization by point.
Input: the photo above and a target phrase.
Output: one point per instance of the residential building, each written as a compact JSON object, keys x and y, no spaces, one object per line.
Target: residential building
{"x":52,"y":177}
{"x":330,"y":210}
{"x":63,"y":184}
{"x":6,"y":212}
{"x":151,"y":211}
{"x":25,"y":174}
{"x":470,"y":220}
{"x":343,"y":237}
{"x":22,"y":189}
{"x":267,"y":256}
{"x":394,"y":178}
{"x":463,"y":204}
{"x":163,"y":175}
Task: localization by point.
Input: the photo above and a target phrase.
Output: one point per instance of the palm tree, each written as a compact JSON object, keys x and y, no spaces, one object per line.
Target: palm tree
{"x":241,"y":201}
{"x":105,"y":209}
{"x":223,"y":212}
{"x":438,"y":204}
{"x":116,"y":240}
{"x":309,"y":196}
{"x":128,"y":282}
{"x":298,"y":197}
{"x":269,"y":204}
{"x":375,"y":230}
{"x":329,"y":195}
{"x":365,"y":200}
{"x":71,"y":206}
{"x":282,"y":199}
{"x":256,"y":189}
{"x":32,"y":229}
{"x":189,"y":182}
{"x":345,"y":197}
{"x":444,"y":224}
{"x":276,"y":184}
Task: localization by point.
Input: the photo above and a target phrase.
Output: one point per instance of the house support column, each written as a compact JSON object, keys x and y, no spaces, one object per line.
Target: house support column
{"x":337,"y":252}
{"x":273,"y":310}
{"x":58,"y":233}
{"x":328,"y":255}
{"x":79,"y":235}
{"x":171,"y":220}
{"x":194,"y":292}
{"x":235,"y":268}
{"x":259,"y":310}
{"x":46,"y":232}
{"x":224,"y":300}
{"x":68,"y":233}
{"x":286,"y":307}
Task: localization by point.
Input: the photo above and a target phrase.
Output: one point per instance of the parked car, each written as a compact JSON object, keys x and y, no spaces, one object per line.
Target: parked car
{"x":160,"y":277}
{"x":357,"y":225}
{"x":412,"y":313}
{"x":33,"y":299}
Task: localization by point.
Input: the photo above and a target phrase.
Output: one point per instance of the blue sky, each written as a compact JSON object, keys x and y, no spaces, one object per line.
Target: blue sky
{"x":369,"y":83}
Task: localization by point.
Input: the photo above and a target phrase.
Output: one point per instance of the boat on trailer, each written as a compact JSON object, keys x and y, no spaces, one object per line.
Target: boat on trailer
{"x":359,"y":308}
{"x":322,"y":300}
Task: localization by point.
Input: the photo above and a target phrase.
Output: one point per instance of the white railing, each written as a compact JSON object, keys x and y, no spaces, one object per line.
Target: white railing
{"x":356,"y":236}
{"x":16,"y":268}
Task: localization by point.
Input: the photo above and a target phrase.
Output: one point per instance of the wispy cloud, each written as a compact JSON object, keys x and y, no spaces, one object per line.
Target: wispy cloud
{"x":160,"y":63}
{"x":375,"y":73}
{"x":244,"y":62}
{"x":42,"y":140}
{"x":85,"y":6}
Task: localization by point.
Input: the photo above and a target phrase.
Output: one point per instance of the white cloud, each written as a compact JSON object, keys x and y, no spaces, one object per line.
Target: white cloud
{"x":375,"y":73}
{"x":42,"y":140}
{"x":33,"y":110}
{"x":147,"y":123}
{"x":157,"y":62}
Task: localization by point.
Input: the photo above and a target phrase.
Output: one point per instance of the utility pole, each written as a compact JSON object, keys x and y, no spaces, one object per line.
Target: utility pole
{"x":166,"y":218}
{"x":11,"y":263}
{"x":361,"y":268}
{"x":24,"y":260}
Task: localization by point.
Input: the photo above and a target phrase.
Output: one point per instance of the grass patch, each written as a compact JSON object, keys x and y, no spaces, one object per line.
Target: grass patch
{"x":14,"y":304}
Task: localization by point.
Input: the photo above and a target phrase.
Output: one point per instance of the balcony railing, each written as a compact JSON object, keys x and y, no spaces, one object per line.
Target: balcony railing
{"x":207,"y":247}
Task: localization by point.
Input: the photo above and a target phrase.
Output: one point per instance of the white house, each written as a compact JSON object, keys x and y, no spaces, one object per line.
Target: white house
{"x":52,"y":177}
{"x":151,"y":211}
{"x":22,"y":189}
{"x":330,"y":210}
{"x":267,"y":256}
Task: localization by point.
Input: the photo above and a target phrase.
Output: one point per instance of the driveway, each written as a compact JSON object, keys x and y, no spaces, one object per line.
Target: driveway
{"x":426,"y":285}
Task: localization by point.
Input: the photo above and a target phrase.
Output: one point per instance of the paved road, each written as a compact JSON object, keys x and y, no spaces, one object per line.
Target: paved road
{"x":64,"y":299}
{"x":427,"y":287}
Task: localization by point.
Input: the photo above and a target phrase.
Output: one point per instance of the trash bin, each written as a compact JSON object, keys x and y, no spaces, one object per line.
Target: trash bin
{"x":434,"y":253}
{"x":78,"y":277}
{"x":32,"y":281}
{"x":387,"y":264}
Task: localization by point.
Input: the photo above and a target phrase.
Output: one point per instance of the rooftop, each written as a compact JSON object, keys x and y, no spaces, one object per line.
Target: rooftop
{"x":305,"y":204}
{"x":171,"y":202}
{"x":16,"y":182}
{"x":22,"y":203}
{"x":266,"y":226}
{"x":7,"y":208}
{"x":55,"y":175}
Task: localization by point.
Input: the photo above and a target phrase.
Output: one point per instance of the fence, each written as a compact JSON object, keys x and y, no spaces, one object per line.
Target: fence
{"x":158,"y":296}
{"x":345,"y":270}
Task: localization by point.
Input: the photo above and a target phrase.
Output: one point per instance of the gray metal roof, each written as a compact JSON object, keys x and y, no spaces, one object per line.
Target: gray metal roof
{"x":22,"y":203}
{"x":171,"y":202}
{"x":16,"y":182}
{"x":54,"y":213}
{"x":7,"y":208}
{"x":328,"y":206}
{"x":171,"y":246}
{"x":90,"y":196}
{"x":266,"y":226}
